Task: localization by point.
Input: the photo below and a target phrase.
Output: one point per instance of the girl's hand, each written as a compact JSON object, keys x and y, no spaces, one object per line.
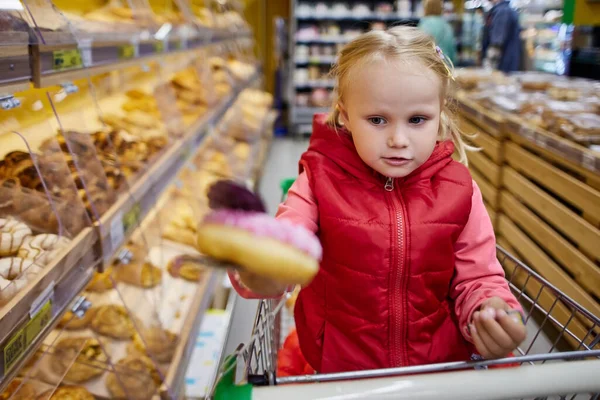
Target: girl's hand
{"x":261,"y":286}
{"x":496,"y":329}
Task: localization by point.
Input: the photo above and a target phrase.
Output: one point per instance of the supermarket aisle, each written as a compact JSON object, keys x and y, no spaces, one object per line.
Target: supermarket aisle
{"x":282,"y":164}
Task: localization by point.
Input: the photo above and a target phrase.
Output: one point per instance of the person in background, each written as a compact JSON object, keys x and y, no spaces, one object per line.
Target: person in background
{"x":437,"y":27}
{"x":502,"y":42}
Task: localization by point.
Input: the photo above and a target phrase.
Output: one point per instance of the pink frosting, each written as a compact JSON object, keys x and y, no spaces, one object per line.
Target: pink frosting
{"x":266,"y":226}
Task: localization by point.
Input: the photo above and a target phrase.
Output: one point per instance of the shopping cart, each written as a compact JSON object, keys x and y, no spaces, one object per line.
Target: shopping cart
{"x":559,"y":360}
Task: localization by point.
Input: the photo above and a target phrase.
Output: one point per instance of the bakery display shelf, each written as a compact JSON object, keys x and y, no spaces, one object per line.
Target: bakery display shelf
{"x":119,"y":222}
{"x":542,"y":139}
{"x":35,"y":311}
{"x":492,"y":122}
{"x":56,"y":64}
{"x":14,"y":66}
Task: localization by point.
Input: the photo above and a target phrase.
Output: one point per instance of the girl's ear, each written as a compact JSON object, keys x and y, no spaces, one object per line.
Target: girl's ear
{"x":343,"y":114}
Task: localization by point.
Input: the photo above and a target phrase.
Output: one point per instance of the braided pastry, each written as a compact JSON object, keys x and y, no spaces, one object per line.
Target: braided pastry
{"x":42,"y":248}
{"x":12,"y":235}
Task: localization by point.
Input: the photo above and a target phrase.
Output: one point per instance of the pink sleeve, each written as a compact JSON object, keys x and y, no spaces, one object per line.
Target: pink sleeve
{"x":478,"y":274}
{"x":300,"y":208}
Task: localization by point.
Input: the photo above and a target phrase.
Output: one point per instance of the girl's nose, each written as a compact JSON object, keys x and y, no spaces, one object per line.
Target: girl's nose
{"x":398,"y":139}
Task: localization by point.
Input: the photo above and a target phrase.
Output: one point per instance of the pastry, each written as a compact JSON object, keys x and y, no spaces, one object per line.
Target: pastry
{"x":42,"y":248}
{"x":80,"y":358}
{"x":67,"y":393}
{"x":12,"y":236}
{"x":114,"y":321}
{"x":135,"y":378}
{"x":101,"y":281}
{"x":12,"y":268}
{"x":72,"y":322}
{"x":142,"y":274}
{"x":180,"y":235}
{"x":182,"y":267}
{"x":18,"y":390}
{"x":157,"y":343}
{"x":239,"y":232}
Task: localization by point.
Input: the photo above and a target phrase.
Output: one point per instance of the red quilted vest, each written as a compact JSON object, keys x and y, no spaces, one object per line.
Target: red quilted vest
{"x":381,"y":298}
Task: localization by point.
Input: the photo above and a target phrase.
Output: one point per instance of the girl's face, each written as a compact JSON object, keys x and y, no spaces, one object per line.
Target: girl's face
{"x":392,"y":110}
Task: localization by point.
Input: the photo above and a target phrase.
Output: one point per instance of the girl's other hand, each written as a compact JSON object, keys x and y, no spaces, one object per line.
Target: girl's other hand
{"x":496,"y":329}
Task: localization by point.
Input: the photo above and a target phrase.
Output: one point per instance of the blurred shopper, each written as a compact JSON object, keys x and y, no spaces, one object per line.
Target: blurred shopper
{"x":437,"y":27}
{"x":502,"y":43}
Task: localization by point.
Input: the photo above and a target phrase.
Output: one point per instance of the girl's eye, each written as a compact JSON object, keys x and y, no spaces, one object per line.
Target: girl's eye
{"x":377,"y":120}
{"x":417,"y":120}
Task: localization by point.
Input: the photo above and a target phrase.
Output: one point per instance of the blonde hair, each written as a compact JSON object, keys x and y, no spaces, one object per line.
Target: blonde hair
{"x":433,"y":7}
{"x":401,"y":42}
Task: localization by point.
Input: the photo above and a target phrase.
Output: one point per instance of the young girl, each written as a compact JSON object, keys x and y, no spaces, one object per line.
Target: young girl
{"x":409,"y":273}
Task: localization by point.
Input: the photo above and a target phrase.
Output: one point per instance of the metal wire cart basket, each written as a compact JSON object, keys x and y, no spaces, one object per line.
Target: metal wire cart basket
{"x":559,"y":360}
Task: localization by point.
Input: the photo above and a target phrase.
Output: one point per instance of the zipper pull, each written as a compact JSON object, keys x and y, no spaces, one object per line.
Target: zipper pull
{"x":389,"y":184}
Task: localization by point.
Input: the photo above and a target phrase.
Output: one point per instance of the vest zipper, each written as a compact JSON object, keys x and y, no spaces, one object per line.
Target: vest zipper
{"x":389,"y":184}
{"x":397,"y":311}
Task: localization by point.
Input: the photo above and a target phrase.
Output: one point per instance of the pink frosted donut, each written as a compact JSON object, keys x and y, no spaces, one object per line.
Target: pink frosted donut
{"x":261,"y":244}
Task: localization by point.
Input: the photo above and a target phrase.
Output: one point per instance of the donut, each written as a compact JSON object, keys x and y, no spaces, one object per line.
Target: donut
{"x":12,"y":235}
{"x":15,"y":273}
{"x":42,"y":248}
{"x":261,"y":244}
{"x":90,"y":359}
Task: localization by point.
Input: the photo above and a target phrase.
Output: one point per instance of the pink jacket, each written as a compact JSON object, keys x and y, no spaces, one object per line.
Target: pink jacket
{"x":478,"y":276}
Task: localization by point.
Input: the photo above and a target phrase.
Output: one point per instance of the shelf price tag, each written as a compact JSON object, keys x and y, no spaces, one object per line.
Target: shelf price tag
{"x":25,"y":336}
{"x":66,"y":59}
{"x":126,"y":52}
{"x":132,"y":217}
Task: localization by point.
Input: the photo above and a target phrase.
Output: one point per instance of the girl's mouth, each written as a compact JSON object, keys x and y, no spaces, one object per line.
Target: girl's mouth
{"x":396,"y":161}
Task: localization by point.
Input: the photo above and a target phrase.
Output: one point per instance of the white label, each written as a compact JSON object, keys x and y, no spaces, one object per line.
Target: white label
{"x":37,"y":304}
{"x":85,"y":49}
{"x":117,"y":234}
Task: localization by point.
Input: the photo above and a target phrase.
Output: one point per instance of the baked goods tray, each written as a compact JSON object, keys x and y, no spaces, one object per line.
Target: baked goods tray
{"x":491,"y":121}
{"x":27,"y":318}
{"x":54,"y":64}
{"x":119,"y":222}
{"x":576,"y":153}
{"x":176,"y":303}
